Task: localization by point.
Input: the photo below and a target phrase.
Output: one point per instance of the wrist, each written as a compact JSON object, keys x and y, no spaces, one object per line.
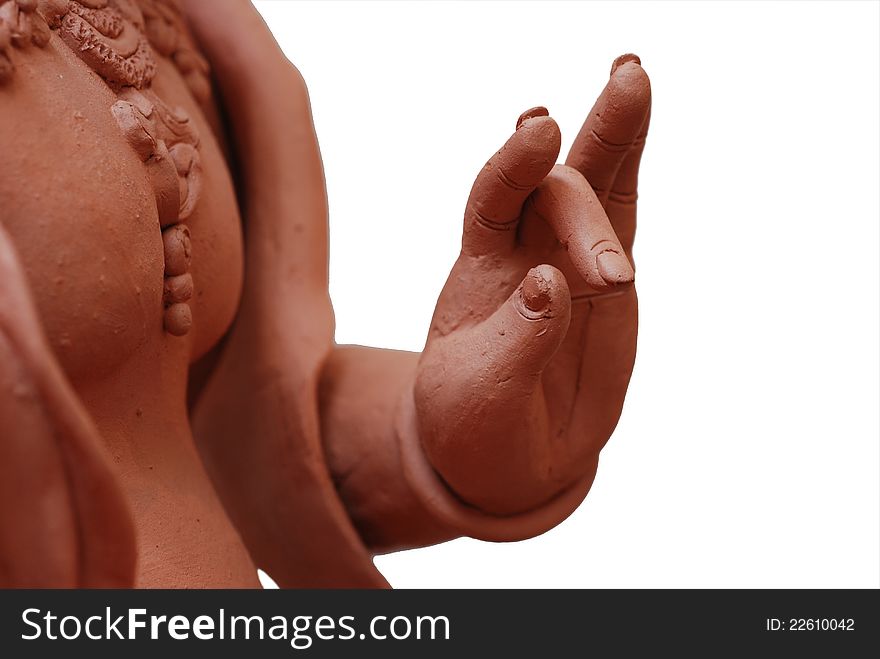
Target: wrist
{"x":450,"y":510}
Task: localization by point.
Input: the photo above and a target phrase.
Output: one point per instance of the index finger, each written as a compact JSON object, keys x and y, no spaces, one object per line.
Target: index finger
{"x":506,"y":181}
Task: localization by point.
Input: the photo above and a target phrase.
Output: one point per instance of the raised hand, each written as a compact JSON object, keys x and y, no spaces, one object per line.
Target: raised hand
{"x":531,"y":348}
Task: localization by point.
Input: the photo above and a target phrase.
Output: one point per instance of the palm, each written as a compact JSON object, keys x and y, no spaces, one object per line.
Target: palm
{"x":525,"y":369}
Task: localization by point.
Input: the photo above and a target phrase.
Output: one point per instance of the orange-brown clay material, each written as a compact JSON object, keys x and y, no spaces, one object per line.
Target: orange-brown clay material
{"x":105,"y":147}
{"x":64,"y":521}
{"x":520,"y":386}
{"x":173,"y":409}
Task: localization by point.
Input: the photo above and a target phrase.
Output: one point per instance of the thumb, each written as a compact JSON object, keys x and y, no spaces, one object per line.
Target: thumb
{"x":523,"y":334}
{"x":482,"y":415}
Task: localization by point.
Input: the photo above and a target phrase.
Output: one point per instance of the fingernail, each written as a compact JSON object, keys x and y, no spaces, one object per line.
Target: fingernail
{"x":531,"y":113}
{"x":623,"y":59}
{"x":535,"y":291}
{"x":614,"y":268}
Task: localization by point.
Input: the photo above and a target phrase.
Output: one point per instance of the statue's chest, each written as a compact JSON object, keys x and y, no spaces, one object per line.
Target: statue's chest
{"x":111,"y":182}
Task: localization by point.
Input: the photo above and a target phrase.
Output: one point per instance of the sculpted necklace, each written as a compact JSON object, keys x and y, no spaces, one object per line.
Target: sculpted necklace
{"x":117,"y":39}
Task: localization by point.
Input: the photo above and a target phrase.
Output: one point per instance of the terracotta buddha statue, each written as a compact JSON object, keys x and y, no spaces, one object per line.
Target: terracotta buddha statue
{"x":174,"y":411}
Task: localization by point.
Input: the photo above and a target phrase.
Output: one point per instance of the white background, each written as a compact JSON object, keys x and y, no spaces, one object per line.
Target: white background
{"x":747,"y":454}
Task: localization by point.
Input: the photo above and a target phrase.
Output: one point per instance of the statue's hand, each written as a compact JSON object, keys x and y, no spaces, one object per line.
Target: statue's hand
{"x":64,"y":522}
{"x":532,"y":344}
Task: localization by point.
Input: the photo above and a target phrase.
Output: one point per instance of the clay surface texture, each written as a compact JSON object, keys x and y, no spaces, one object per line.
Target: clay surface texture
{"x":174,"y":411}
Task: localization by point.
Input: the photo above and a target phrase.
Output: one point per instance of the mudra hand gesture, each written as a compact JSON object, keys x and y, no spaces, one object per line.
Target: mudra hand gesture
{"x":531,"y":347}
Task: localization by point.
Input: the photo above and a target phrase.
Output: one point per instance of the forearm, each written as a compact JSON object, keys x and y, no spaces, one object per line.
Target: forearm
{"x":360,"y":392}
